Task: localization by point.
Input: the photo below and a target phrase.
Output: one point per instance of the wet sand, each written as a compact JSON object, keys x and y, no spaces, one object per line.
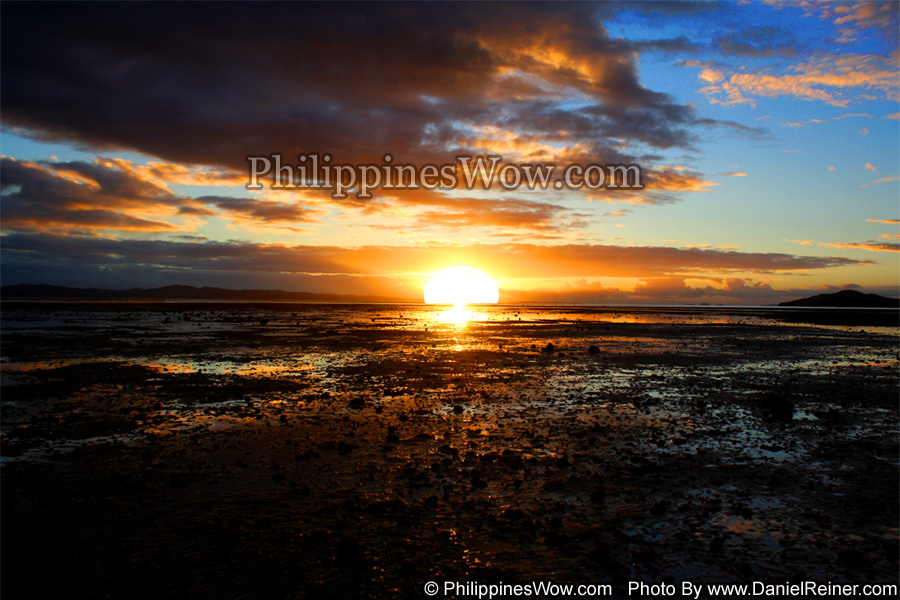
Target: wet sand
{"x":210,"y":450}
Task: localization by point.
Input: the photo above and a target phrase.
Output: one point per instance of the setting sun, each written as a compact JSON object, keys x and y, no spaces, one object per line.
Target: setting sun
{"x":461,"y":285}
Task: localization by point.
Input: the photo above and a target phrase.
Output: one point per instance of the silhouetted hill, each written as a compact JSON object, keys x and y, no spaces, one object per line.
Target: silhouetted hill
{"x":846,"y":299}
{"x":177,"y":292}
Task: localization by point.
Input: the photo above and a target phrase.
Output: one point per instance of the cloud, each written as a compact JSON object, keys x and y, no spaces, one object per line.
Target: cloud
{"x":208,"y":85}
{"x":734,"y":174}
{"x":870,"y":167}
{"x":886,"y":221}
{"x":869,"y":14}
{"x":261,"y":211}
{"x":711,"y":75}
{"x":80,"y":196}
{"x":676,"y":290}
{"x":871,"y":246}
{"x":114,"y":195}
{"x":213,"y":261}
{"x":677,"y":45}
{"x":737,"y":48}
{"x":847,"y":36}
{"x":827,"y":77}
{"x":882,"y":180}
{"x":882,"y":15}
{"x":503,"y":217}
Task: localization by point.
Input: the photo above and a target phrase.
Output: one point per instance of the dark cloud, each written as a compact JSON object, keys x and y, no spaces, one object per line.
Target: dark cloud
{"x":210,"y":83}
{"x":736,"y":48}
{"x":679,"y":45}
{"x":501,"y":260}
{"x":500,"y":216}
{"x":677,"y":291}
{"x":263,"y":212}
{"x":79,"y":196}
{"x":110,"y":194}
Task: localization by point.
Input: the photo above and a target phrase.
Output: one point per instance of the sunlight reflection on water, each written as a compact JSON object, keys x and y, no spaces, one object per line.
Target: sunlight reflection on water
{"x":458,"y":316}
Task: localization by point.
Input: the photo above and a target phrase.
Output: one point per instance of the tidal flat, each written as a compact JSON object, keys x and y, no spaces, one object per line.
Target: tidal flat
{"x":254,"y":450}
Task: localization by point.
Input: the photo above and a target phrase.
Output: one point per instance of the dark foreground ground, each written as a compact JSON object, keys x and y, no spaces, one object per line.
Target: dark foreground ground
{"x":297,"y":451}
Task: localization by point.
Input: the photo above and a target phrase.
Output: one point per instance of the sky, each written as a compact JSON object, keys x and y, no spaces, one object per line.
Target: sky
{"x":768,"y":134}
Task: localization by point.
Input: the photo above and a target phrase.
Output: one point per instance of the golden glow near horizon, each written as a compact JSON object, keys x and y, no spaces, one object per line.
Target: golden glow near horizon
{"x":461,"y":285}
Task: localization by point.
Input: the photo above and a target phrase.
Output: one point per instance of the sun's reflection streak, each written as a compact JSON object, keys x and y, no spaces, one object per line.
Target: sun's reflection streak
{"x":458,"y":316}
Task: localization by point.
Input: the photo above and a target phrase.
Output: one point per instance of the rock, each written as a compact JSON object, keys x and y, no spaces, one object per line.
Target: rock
{"x":318,"y":537}
{"x":659,"y":508}
{"x":345,"y":448}
{"x":549,"y":347}
{"x":851,"y":558}
{"x":358,"y":402}
{"x":554,"y":538}
{"x":448,"y":449}
{"x":594,"y":350}
{"x":600,"y":553}
{"x":348,"y":550}
{"x":779,"y":407}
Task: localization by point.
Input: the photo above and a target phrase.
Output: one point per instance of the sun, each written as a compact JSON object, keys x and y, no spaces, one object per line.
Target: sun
{"x":461,"y":285}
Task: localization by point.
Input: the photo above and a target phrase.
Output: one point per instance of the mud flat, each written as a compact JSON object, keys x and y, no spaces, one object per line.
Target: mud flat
{"x":247,"y":450}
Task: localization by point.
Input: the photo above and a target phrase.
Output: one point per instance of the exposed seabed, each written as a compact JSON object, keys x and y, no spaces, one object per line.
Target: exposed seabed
{"x":210,"y":450}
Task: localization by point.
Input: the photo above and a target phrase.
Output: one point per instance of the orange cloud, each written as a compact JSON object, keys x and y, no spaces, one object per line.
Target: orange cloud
{"x":164,"y":173}
{"x":871,"y":246}
{"x":882,"y":180}
{"x":823,"y":78}
{"x":117,"y":195}
{"x":867,"y":14}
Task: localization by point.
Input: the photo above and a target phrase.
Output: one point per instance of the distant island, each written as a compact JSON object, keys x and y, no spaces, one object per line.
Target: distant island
{"x":846,"y":299}
{"x":176,"y":292}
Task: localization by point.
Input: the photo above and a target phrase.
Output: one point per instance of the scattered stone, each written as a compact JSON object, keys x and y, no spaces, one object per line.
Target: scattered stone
{"x":659,"y":508}
{"x":777,"y":406}
{"x":851,"y":558}
{"x":345,"y":448}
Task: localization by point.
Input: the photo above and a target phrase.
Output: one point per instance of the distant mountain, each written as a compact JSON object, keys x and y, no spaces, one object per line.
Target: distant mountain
{"x":177,"y":292}
{"x":846,"y":299}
